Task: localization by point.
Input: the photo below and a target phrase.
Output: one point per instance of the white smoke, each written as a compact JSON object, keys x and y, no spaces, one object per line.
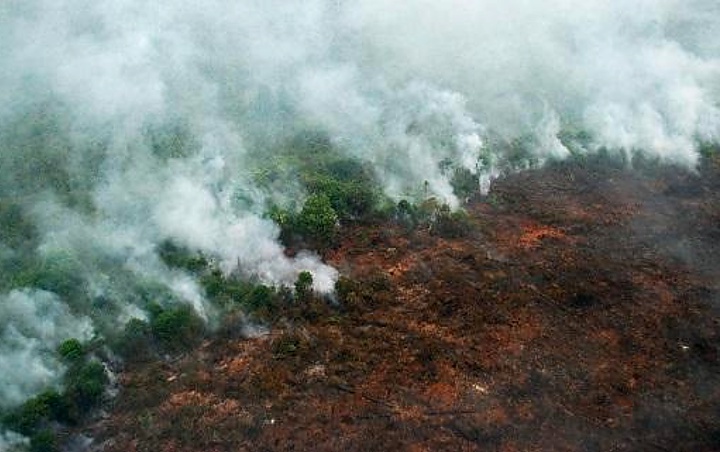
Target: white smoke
{"x":11,"y":441}
{"x":34,"y":324}
{"x":639,"y":75}
{"x":86,"y":86}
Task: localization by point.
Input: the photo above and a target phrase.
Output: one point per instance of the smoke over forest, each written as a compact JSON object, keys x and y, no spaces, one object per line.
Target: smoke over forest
{"x":126,"y":126}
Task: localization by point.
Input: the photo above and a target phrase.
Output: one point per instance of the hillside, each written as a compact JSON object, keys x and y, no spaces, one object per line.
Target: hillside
{"x":577,"y":311}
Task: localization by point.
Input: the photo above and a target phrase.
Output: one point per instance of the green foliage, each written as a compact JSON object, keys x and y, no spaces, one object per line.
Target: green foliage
{"x":176,"y":256}
{"x":350,"y":170}
{"x":450,"y":224}
{"x":60,"y":273}
{"x":340,"y":190}
{"x":58,"y":405}
{"x":176,"y":328}
{"x":464,"y":182}
{"x":577,"y":140}
{"x":231,"y":292}
{"x":437,"y":217}
{"x":351,"y":199}
{"x":37,"y":412}
{"x":217,"y":287}
{"x":85,"y":385}
{"x":259,"y":297}
{"x":134,"y":343}
{"x":282,"y":217}
{"x":71,"y":350}
{"x":311,"y":143}
{"x":317,"y":220}
{"x":348,"y":185}
{"x":708,"y":150}
{"x":303,"y":284}
{"x":43,"y":441}
{"x":519,"y":152}
{"x":509,"y":154}
{"x":26,"y":418}
{"x":406,"y":214}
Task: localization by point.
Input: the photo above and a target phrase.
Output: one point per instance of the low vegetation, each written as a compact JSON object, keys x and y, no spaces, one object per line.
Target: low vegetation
{"x":84,"y":384}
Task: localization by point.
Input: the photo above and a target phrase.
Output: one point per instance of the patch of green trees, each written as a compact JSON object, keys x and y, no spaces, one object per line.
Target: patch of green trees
{"x":169,"y":330}
{"x":84,"y":384}
{"x":339,"y":190}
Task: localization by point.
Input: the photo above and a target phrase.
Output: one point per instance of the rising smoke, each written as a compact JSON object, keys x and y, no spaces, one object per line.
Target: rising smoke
{"x":127,"y":123}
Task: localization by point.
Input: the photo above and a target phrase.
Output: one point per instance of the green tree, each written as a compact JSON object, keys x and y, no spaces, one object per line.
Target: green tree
{"x":449,"y":224}
{"x":43,"y":441}
{"x":177,"y":328}
{"x":71,"y":350}
{"x":86,"y":385}
{"x":134,"y":344}
{"x":303,"y":284}
{"x":177,"y":256}
{"x":318,"y":220}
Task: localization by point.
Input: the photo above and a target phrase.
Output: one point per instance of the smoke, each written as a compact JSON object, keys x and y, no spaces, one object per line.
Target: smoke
{"x":10,"y":441}
{"x":34,"y":324}
{"x":126,"y":123}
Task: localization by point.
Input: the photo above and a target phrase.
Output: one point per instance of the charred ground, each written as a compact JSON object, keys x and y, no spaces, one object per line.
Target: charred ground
{"x":579,"y":311}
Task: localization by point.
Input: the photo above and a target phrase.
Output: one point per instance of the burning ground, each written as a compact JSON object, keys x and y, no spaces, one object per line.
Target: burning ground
{"x":578,"y":310}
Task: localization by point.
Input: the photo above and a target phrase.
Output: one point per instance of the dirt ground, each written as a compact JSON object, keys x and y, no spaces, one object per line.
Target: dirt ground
{"x":579,"y":314}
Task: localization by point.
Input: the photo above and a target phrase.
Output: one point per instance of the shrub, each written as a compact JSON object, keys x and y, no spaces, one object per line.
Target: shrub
{"x":71,"y":350}
{"x":57,"y":404}
{"x":27,"y":417}
{"x":43,"y":441}
{"x":708,"y":150}
{"x":259,"y":297}
{"x":231,"y":292}
{"x":135,"y":341}
{"x":180,"y":257}
{"x":406,"y":214}
{"x":177,"y":328}
{"x":464,"y":183}
{"x":85,"y":385}
{"x":344,"y":287}
{"x":318,"y":220}
{"x":310,"y":156}
{"x":351,"y":199}
{"x":282,"y":217}
{"x":36,"y":412}
{"x":84,"y":382}
{"x":58,"y":273}
{"x":450,"y":224}
{"x":303,"y":284}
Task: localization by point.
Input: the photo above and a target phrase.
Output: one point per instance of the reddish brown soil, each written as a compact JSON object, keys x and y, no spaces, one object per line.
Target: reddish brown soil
{"x":580,"y":314}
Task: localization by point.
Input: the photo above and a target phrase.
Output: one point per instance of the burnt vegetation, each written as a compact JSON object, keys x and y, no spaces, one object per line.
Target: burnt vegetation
{"x":554,"y":313}
{"x":574,"y":307}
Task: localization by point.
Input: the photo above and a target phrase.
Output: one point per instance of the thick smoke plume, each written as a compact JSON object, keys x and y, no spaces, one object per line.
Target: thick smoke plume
{"x":127,"y":123}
